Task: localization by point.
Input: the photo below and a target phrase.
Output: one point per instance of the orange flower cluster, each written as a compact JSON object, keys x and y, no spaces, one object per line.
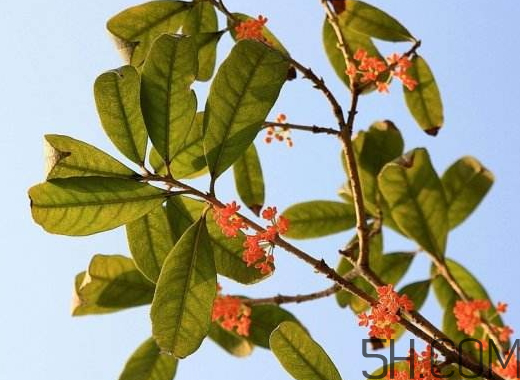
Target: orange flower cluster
{"x":280,"y":134}
{"x":251,"y":29}
{"x":231,"y":313}
{"x":228,"y":220}
{"x":422,"y":367}
{"x":368,"y":69}
{"x":468,"y":315}
{"x":259,"y":247}
{"x":385,"y":312}
{"x":512,"y":371}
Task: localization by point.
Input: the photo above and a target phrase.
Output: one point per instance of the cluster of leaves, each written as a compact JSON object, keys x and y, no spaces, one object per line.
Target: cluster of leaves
{"x":176,"y":250}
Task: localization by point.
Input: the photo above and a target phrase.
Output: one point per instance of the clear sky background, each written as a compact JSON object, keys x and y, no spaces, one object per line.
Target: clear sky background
{"x":53,"y":51}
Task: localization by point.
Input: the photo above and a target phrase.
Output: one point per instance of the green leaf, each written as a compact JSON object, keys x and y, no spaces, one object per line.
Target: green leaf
{"x":268,"y":35}
{"x":202,"y":24}
{"x":228,"y":252}
{"x":150,"y":240}
{"x":264,"y":320}
{"x":354,"y":41}
{"x":374,"y":148}
{"x":183,"y":300}
{"x":249,"y":180}
{"x":243,"y":92}
{"x":169,"y":105}
{"x":465,"y":183}
{"x":367,"y":19}
{"x":234,"y":344}
{"x":140,"y":25}
{"x":117,"y":94}
{"x":110,"y":284}
{"x":319,"y":218}
{"x":416,"y":201}
{"x":300,"y":355}
{"x":67,"y":157}
{"x":85,"y":206}
{"x":147,"y":363}
{"x":189,"y":161}
{"x":424,"y":102}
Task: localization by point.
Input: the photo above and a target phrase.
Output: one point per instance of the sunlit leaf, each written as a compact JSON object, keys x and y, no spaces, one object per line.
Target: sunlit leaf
{"x":117,"y":95}
{"x":264,"y":319}
{"x":319,"y":218}
{"x":231,"y":342}
{"x":147,"y":363}
{"x":249,"y":180}
{"x":183,"y":301}
{"x":416,"y":200}
{"x":189,"y":161}
{"x":243,"y":91}
{"x":67,"y":157}
{"x":110,"y":284}
{"x":424,"y":102}
{"x":374,"y":148}
{"x":85,"y":206}
{"x":202,"y":24}
{"x":465,"y":183}
{"x":150,"y":240}
{"x":300,"y":355}
{"x":228,"y":252}
{"x":168,"y":103}
{"x":367,"y":19}
{"x":140,"y":25}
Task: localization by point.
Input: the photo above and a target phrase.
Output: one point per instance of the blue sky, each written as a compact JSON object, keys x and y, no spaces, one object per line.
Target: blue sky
{"x":53,"y":51}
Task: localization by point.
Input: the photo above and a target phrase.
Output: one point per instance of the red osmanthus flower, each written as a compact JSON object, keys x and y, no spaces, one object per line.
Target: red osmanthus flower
{"x":366,"y":69}
{"x":469,"y":318}
{"x":385,"y":313}
{"x":258,"y":247}
{"x":279,"y":133}
{"x":251,"y":29}
{"x":511,"y":371}
{"x":231,"y":313}
{"x":419,"y":367}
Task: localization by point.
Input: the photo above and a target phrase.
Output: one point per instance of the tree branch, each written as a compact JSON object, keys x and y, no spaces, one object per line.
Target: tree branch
{"x":281,"y":299}
{"x":307,"y":128}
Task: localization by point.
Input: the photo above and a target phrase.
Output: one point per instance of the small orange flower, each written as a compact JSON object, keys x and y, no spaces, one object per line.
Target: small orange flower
{"x":251,"y":29}
{"x":231,"y":313}
{"x":385,"y":313}
{"x":501,"y":307}
{"x":280,"y":133}
{"x":228,"y":220}
{"x":370,"y":69}
{"x":468,"y":314}
{"x":511,"y":371}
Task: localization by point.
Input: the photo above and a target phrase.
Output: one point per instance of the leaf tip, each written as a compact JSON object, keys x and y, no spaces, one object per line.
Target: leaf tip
{"x":432,"y":131}
{"x":256,"y":209}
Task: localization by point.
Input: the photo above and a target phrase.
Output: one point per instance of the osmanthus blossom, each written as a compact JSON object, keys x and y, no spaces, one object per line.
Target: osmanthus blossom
{"x":469,"y":317}
{"x":259,"y":246}
{"x":366,"y":69}
{"x":385,"y":313}
{"x":231,"y":313}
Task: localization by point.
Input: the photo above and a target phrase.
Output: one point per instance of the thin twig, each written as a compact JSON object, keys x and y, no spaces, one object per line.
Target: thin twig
{"x":281,"y":299}
{"x":306,"y":128}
